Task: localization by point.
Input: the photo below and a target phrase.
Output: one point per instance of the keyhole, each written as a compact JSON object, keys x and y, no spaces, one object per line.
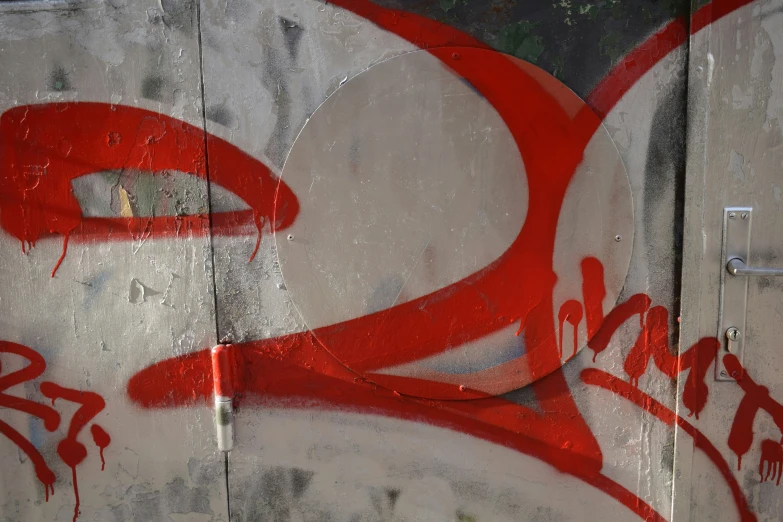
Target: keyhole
{"x":732,"y":336}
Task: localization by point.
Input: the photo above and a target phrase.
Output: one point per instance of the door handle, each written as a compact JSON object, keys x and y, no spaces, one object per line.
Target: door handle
{"x":737,"y":267}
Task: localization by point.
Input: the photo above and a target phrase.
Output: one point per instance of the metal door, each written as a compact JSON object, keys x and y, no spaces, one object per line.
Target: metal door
{"x":733,"y":213}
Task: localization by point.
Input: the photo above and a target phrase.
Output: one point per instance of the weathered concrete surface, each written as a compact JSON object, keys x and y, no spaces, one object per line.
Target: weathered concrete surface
{"x":116,"y":305}
{"x":183,"y":236}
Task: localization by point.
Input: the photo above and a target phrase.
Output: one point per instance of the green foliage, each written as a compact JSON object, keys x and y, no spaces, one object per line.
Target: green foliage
{"x":609,"y":45}
{"x":558,"y":69}
{"x":448,"y":5}
{"x":518,"y":39}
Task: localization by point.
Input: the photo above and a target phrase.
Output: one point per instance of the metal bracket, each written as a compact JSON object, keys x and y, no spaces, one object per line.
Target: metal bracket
{"x":733,"y":290}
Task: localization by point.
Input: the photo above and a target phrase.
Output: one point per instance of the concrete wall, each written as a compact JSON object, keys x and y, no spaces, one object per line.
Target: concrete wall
{"x":449,"y":278}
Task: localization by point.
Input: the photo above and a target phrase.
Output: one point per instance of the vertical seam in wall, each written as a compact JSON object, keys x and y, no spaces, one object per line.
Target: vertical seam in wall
{"x":209,"y":213}
{"x":677,"y":407}
{"x":206,"y":164}
{"x":681,"y":191}
{"x":694,"y":269}
{"x":228,"y":492}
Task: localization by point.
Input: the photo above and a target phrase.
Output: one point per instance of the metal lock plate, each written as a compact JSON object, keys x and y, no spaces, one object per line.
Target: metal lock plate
{"x":733,"y":290}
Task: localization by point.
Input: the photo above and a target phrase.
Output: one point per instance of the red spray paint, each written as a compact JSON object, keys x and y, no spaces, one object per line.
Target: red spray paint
{"x":42,"y":471}
{"x":653,"y":341}
{"x":551,"y":143}
{"x":37,"y":218}
{"x":653,"y":344}
{"x":102,"y":440}
{"x":756,"y":399}
{"x":293,"y":368}
{"x":36,"y":197}
{"x":571,"y":311}
{"x":644,"y":57}
{"x":69,"y":449}
{"x":772,"y":456}
{"x":50,"y":417}
{"x":642,"y":400}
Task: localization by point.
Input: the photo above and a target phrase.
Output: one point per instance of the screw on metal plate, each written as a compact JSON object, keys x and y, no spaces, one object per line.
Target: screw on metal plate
{"x":732,"y":215}
{"x":732,"y":335}
{"x":290,"y":237}
{"x":744,"y":215}
{"x":618,"y":237}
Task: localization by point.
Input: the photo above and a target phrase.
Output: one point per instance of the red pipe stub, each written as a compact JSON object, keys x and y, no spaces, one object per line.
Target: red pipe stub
{"x":221,"y":372}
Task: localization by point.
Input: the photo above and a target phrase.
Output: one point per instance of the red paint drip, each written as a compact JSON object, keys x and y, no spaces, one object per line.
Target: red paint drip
{"x":75,"y":494}
{"x":756,"y":399}
{"x":62,"y":256}
{"x":635,"y":305}
{"x":102,"y":440}
{"x":571,"y":311}
{"x":72,"y":453}
{"x":772,"y":456}
{"x":258,"y":244}
{"x":600,"y":329}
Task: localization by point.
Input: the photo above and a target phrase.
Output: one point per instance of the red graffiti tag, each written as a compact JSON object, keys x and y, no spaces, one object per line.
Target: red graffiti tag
{"x":294,"y":369}
{"x":69,"y":449}
{"x":294,"y":366}
{"x":652,"y":343}
{"x":45,"y":147}
{"x":50,"y":417}
{"x":756,"y":399}
{"x":642,"y":400}
{"x":772,"y":456}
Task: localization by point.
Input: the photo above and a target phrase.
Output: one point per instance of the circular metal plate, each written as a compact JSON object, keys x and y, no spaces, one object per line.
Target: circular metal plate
{"x":412,"y":189}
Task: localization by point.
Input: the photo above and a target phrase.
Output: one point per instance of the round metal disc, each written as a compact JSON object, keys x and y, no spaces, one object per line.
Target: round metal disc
{"x":409,"y":181}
